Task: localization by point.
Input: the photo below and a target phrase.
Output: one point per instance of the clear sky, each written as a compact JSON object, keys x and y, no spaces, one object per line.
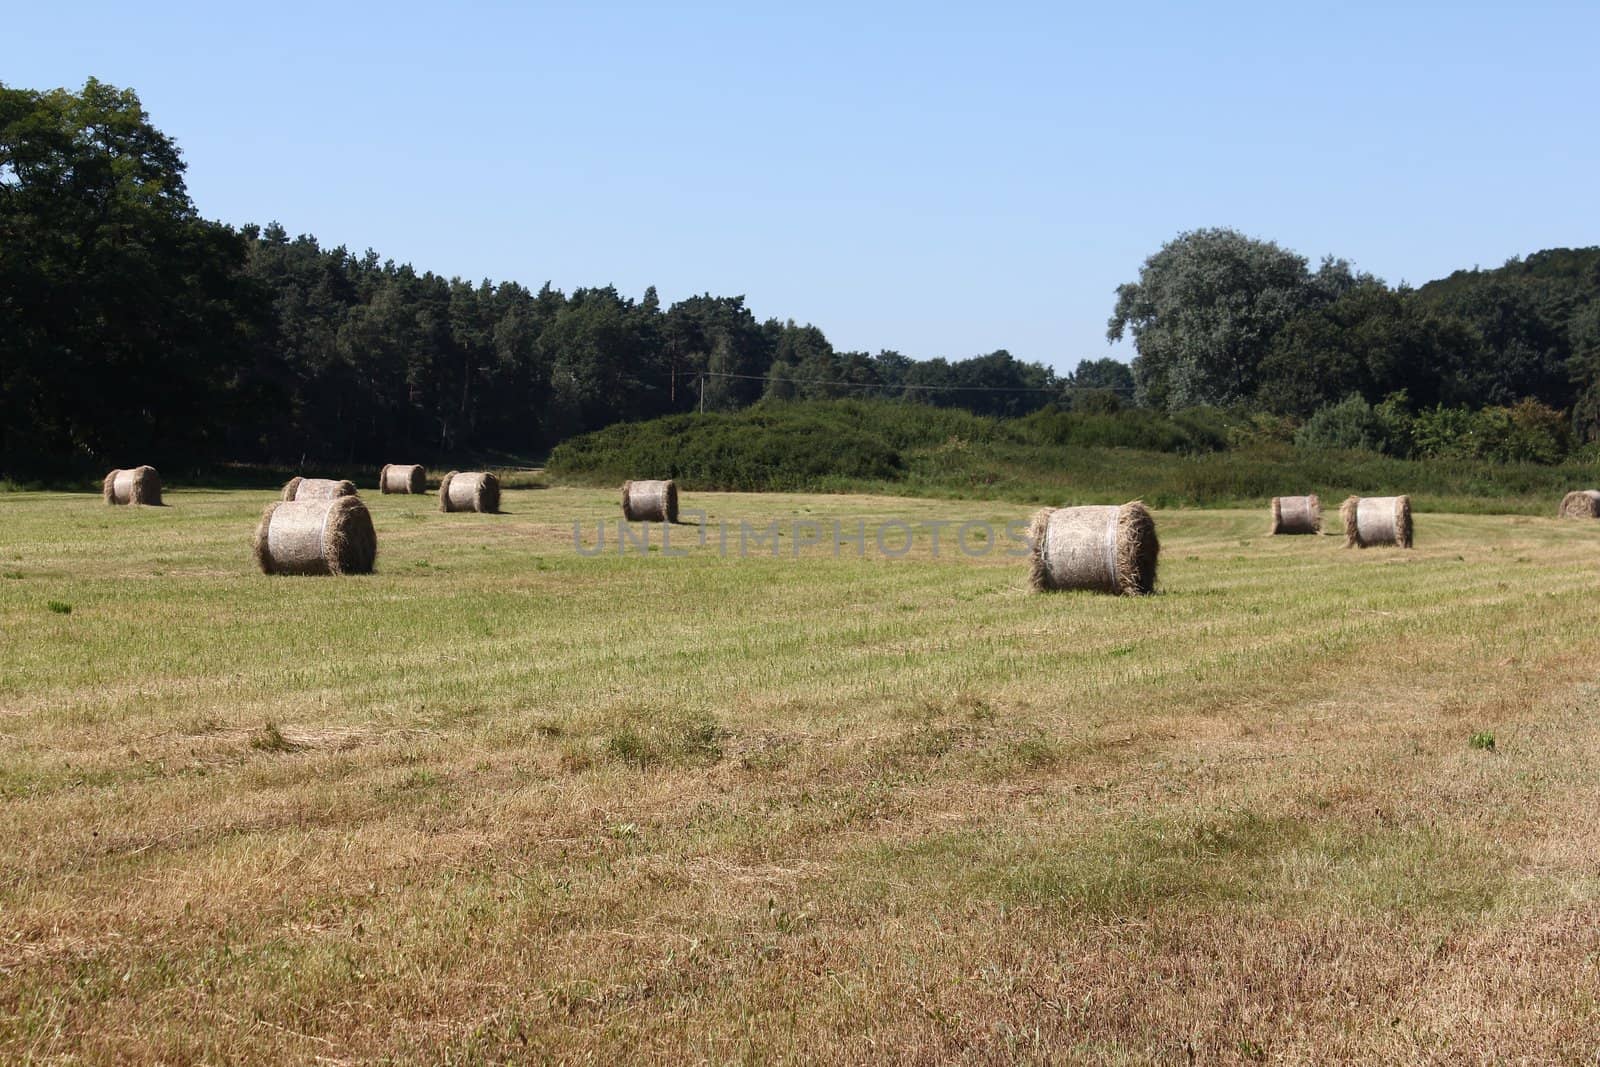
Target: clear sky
{"x":938,"y":180}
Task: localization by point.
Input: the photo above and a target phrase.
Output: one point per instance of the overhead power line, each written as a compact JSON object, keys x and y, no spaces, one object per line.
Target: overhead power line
{"x":887,"y":385}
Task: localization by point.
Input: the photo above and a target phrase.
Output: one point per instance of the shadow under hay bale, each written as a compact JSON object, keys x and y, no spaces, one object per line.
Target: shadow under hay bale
{"x":1296,"y":515}
{"x":1581,"y":504}
{"x":650,"y":501}
{"x":1108,"y":549}
{"x":133,"y":485}
{"x":402,"y":478}
{"x":469,"y":491}
{"x":317,"y":488}
{"x":1376,"y":520}
{"x":329,"y":536}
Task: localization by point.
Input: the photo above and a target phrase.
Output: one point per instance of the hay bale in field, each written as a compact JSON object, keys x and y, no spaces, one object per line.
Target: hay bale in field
{"x":1109,"y":549}
{"x":1581,"y":504}
{"x":402,"y":478}
{"x":650,"y":501}
{"x":1296,"y":515}
{"x":1376,"y":520}
{"x":134,"y":485}
{"x":317,"y":488}
{"x":333,"y":535}
{"x":469,"y":491}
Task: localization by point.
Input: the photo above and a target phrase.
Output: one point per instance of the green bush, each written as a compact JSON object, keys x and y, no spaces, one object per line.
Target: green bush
{"x":1198,"y":430}
{"x":1527,"y":432}
{"x":777,"y":447}
{"x":1356,"y":426}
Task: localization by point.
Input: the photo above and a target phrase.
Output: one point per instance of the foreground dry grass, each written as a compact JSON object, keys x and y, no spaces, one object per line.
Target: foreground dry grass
{"x":503,"y":802}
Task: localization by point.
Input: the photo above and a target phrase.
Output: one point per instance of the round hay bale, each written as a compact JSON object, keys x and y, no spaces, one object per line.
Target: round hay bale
{"x":1296,"y":515}
{"x":1581,"y":504}
{"x":402,"y":478}
{"x":317,"y":488}
{"x":1108,"y":549}
{"x":1376,"y":520}
{"x":132,"y":485}
{"x":469,"y":491}
{"x":329,"y":536}
{"x":650,"y":501}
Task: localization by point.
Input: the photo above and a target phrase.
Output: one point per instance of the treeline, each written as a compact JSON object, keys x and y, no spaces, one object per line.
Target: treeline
{"x":1225,"y":320}
{"x":133,"y":330}
{"x":366,"y":358}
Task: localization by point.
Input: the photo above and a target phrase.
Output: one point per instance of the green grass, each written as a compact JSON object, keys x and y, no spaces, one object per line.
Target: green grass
{"x":500,"y":801}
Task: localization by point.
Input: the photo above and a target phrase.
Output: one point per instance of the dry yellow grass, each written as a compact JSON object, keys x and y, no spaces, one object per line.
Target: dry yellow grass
{"x":862,"y":810}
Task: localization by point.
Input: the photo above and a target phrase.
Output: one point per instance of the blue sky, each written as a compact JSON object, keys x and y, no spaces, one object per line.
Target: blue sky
{"x":939,"y":180}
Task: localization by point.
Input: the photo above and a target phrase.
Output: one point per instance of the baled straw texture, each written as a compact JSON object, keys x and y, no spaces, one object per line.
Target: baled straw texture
{"x":1109,"y":549}
{"x":1376,"y":520}
{"x":650,"y":501}
{"x":328,"y":536}
{"x":317,"y":488}
{"x":133,"y":485}
{"x":1296,"y":515}
{"x":1581,"y":504}
{"x":402,"y":478}
{"x":469,"y":491}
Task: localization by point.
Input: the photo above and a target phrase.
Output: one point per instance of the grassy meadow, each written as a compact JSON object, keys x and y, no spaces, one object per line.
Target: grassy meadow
{"x":503,"y":802}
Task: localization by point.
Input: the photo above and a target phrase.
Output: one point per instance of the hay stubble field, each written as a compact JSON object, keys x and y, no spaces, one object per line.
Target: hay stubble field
{"x":501,"y":802}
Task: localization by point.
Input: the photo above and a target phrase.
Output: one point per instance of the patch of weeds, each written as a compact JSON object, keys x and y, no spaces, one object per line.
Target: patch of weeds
{"x":695,"y":739}
{"x":60,"y":607}
{"x":770,"y":754}
{"x":1483,"y":739}
{"x":416,"y":779}
{"x":627,"y":745}
{"x":13,"y":576}
{"x":270,"y":739}
{"x":1036,"y":753}
{"x":575,"y":759}
{"x":977,"y":708}
{"x":422,"y":564}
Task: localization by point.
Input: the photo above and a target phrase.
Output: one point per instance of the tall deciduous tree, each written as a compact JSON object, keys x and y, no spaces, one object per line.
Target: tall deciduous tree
{"x":1205,"y":309}
{"x":127,"y":322}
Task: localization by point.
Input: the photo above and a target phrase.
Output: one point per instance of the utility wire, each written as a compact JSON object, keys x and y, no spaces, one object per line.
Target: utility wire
{"x":886,"y":385}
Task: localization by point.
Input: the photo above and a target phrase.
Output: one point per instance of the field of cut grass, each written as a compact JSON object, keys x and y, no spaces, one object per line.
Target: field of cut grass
{"x":503,"y":802}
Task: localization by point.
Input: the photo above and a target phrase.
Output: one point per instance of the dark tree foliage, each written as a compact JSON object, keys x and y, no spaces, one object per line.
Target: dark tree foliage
{"x":126,"y":323}
{"x":1528,"y":314}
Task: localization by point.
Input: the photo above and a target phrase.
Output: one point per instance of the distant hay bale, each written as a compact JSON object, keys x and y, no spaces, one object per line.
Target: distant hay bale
{"x":1109,"y":549}
{"x":1376,"y":520}
{"x":1581,"y":504}
{"x":402,"y":478}
{"x":332,"y":535}
{"x":1296,"y":515}
{"x":317,"y":488}
{"x":650,"y":501}
{"x":469,"y":491}
{"x":134,"y":485}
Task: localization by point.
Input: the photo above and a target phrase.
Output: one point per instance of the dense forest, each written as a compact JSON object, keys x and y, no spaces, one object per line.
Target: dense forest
{"x":133,"y":330}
